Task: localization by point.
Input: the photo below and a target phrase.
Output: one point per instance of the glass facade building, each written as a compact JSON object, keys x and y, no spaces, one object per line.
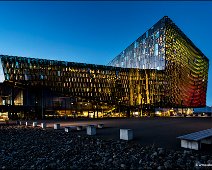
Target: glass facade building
{"x":161,"y":69}
{"x":165,"y":47}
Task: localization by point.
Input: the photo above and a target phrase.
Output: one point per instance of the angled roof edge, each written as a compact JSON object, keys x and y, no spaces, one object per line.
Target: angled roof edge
{"x":81,"y":64}
{"x":159,"y":21}
{"x":71,"y":62}
{"x":168,"y":20}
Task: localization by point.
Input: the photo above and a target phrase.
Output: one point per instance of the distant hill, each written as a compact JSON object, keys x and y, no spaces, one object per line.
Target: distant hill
{"x":203,"y":109}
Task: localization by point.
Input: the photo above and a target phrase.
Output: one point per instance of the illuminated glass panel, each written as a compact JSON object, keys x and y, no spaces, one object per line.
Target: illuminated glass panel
{"x":186,"y":69}
{"x":146,"y":52}
{"x":2,"y":77}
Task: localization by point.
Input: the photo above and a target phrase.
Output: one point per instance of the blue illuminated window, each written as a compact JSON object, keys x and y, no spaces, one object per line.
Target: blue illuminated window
{"x":156,"y":50}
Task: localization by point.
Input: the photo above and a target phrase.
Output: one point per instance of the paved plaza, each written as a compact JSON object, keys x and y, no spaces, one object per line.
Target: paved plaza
{"x":161,"y":132}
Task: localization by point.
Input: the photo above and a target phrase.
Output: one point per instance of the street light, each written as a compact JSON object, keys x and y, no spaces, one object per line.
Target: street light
{"x":71,"y":108}
{"x":119,"y":107}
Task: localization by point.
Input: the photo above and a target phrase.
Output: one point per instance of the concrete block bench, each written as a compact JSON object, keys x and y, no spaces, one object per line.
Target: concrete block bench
{"x":126,"y":134}
{"x":56,"y":126}
{"x":91,"y":130}
{"x":43,"y":125}
{"x":194,"y":140}
{"x":79,"y":127}
{"x":100,"y":126}
{"x":70,"y":128}
{"x":35,"y":124}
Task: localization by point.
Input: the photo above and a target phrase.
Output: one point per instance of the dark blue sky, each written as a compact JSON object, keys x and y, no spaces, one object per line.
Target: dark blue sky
{"x":95,"y":32}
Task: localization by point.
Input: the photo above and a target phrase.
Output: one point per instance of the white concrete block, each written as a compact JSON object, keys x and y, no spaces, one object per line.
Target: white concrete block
{"x":70,"y":128}
{"x":184,"y":144}
{"x":34,"y":124}
{"x":194,"y":145}
{"x":100,"y":125}
{"x":56,"y":126}
{"x":27,"y":123}
{"x":126,"y":134}
{"x":67,"y":129}
{"x":91,"y":130}
{"x":43,"y":125}
{"x":190,"y":144}
{"x":79,"y":127}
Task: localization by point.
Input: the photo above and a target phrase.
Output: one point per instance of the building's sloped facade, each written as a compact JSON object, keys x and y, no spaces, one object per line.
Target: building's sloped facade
{"x":186,"y":69}
{"x":165,"y":47}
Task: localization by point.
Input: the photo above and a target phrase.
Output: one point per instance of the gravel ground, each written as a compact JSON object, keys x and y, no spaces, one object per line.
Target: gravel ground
{"x":33,"y":148}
